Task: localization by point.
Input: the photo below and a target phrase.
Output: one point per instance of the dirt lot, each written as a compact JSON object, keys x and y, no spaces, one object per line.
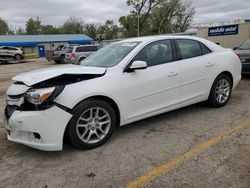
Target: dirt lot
{"x":140,"y":149}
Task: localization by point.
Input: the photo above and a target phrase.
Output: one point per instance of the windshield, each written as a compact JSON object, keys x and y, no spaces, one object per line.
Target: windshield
{"x":110,"y":55}
{"x":245,"y":45}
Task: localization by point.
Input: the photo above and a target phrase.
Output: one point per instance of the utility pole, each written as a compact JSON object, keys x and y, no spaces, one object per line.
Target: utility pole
{"x":138,"y":23}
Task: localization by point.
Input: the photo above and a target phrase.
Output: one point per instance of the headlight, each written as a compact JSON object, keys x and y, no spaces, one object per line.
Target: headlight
{"x":40,"y":96}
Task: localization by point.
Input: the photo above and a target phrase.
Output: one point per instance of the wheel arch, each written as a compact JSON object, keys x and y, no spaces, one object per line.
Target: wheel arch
{"x":229,"y":74}
{"x":83,"y":56}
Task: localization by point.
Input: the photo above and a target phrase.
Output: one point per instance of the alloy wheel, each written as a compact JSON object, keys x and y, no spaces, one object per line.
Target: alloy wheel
{"x":222,"y":90}
{"x":93,"y":125}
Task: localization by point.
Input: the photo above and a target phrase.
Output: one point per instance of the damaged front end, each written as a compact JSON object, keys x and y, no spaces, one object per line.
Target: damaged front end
{"x":32,"y":117}
{"x":40,"y":96}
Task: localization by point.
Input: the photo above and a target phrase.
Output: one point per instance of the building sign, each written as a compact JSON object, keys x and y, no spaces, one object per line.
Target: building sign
{"x":223,"y":30}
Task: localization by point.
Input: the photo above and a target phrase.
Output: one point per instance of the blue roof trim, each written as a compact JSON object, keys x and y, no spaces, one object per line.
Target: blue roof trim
{"x":19,"y":44}
{"x":80,"y":42}
{"x":44,"y":38}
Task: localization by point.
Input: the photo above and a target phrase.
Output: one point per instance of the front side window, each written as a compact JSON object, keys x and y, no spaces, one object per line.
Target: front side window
{"x":156,"y":53}
{"x":189,"y":48}
{"x":110,"y":55}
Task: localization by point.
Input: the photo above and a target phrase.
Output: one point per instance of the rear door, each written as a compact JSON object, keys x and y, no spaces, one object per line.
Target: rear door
{"x":196,"y":65}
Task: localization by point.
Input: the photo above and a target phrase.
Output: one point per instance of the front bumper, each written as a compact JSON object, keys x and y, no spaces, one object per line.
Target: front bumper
{"x":42,"y":130}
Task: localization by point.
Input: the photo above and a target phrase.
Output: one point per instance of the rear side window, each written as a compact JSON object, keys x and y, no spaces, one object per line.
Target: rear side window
{"x":205,"y":50}
{"x":85,"y":49}
{"x":189,"y":48}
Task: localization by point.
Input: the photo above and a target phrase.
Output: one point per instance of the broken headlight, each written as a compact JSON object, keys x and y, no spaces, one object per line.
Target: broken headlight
{"x":43,"y":95}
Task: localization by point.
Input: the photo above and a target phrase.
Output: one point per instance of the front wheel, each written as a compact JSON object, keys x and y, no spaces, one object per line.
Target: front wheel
{"x":18,"y":57}
{"x":220,"y":92}
{"x":92,"y":124}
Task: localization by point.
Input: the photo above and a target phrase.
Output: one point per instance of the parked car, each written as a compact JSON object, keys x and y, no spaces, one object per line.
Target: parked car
{"x":243,"y":51}
{"x":11,"y":52}
{"x":76,"y":54}
{"x":58,"y":54}
{"x":122,"y":83}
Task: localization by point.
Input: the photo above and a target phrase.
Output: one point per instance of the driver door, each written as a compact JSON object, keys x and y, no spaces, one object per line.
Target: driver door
{"x":156,"y":89}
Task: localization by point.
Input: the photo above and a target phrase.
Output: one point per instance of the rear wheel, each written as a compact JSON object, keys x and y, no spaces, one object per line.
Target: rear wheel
{"x":92,"y":124}
{"x":220,"y":92}
{"x":57,"y":61}
{"x":62,"y":57}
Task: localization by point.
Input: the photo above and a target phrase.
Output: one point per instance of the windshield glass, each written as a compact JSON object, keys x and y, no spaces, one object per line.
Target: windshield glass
{"x":245,"y":45}
{"x":110,"y":55}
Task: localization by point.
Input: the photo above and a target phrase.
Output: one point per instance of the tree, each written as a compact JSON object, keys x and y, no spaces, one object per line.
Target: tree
{"x":171,"y":17}
{"x":91,"y":30}
{"x":184,"y":17}
{"x":50,"y":29}
{"x":20,"y":31}
{"x":33,"y":27}
{"x":4,"y":28}
{"x":158,"y":17}
{"x":142,"y":9}
{"x":73,"y":25}
{"x":129,"y":25}
{"x":109,"y":29}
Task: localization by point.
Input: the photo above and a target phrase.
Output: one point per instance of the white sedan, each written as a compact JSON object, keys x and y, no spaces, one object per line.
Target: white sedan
{"x":122,"y":83}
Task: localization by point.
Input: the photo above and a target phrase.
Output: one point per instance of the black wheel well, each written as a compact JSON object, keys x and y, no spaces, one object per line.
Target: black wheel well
{"x":230,"y":76}
{"x":112,"y":103}
{"x":83,"y":57}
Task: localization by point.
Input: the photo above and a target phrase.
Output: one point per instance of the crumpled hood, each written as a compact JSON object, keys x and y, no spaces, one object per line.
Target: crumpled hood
{"x":34,"y":77}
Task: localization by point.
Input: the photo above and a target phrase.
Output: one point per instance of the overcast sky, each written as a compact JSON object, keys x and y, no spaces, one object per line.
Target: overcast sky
{"x":55,"y":12}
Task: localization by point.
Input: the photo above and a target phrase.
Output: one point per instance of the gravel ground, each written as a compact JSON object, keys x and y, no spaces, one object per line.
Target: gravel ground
{"x":138,"y":148}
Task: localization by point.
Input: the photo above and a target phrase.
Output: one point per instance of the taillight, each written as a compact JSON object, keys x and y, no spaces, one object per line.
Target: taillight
{"x":73,"y":55}
{"x":237,"y":53}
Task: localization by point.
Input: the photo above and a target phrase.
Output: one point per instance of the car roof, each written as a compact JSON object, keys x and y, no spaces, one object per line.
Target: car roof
{"x":148,"y":39}
{"x":160,"y":37}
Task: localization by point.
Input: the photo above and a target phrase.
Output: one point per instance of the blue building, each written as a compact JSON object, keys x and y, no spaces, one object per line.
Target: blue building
{"x":37,"y":45}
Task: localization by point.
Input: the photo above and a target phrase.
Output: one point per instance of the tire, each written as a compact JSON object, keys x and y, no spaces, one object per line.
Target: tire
{"x":84,"y":128}
{"x":62,"y":59}
{"x":18,"y":57}
{"x":81,"y":59}
{"x":57,"y":61}
{"x":220,"y":92}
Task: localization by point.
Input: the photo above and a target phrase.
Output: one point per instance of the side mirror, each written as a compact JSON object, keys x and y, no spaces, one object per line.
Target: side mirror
{"x":137,"y":65}
{"x":235,"y":48}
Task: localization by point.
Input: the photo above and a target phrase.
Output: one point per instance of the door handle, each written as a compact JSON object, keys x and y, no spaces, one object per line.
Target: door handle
{"x":172,"y":74}
{"x":209,"y":64}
